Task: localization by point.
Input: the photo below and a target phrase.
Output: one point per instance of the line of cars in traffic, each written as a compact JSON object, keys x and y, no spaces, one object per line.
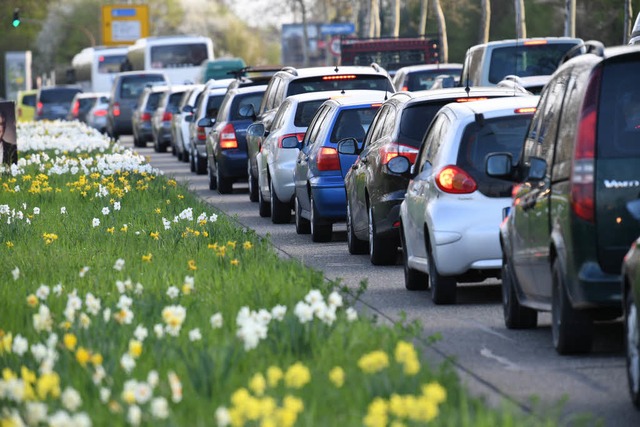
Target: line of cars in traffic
{"x":525,"y":170}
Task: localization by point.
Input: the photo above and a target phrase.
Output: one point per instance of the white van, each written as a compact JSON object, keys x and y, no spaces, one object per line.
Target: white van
{"x":488,"y":63}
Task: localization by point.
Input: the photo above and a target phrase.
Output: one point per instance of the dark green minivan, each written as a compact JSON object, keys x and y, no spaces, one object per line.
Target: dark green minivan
{"x":568,"y":228}
{"x":223,"y":68}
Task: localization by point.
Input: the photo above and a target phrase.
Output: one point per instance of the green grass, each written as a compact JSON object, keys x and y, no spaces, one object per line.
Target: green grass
{"x":247,"y":273}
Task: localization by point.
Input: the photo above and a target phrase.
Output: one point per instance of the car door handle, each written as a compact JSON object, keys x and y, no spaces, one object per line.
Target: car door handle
{"x":364,"y":160}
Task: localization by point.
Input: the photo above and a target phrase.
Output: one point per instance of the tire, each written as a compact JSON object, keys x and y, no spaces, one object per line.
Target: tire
{"x":572,"y":330}
{"x":414,"y":280}
{"x":443,"y":288}
{"x":136,"y":141}
{"x":185,"y":156}
{"x":303,"y":226}
{"x":180,"y":156}
{"x":320,"y":231}
{"x":264,"y":207}
{"x":280,"y":211}
{"x":355,"y":245}
{"x":253,"y":183}
{"x":162,"y":148}
{"x":192,"y":164}
{"x":225,"y":185}
{"x":201,"y":168}
{"x":213,"y":183}
{"x":516,"y":316}
{"x":632,"y":347}
{"x":381,"y":251}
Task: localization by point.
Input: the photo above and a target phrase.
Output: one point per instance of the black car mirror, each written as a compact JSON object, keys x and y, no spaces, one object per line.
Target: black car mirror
{"x":348,"y":146}
{"x":499,"y":165}
{"x":188,"y":118}
{"x":537,"y":169}
{"x":290,"y":142}
{"x":187,"y":109}
{"x":399,"y":165}
{"x":205,"y":122}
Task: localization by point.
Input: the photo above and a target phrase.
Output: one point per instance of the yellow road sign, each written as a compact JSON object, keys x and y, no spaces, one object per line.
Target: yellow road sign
{"x":124,"y":24}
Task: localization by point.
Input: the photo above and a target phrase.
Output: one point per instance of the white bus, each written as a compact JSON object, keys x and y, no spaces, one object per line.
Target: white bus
{"x":95,"y":67}
{"x":180,"y":57}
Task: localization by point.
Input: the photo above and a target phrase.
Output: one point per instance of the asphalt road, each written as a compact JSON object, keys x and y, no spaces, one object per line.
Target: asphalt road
{"x":497,"y":363}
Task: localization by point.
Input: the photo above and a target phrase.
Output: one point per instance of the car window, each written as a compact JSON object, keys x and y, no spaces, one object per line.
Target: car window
{"x":29,"y":100}
{"x":376,"y":126}
{"x":132,"y":86}
{"x":312,"y":133}
{"x":503,"y":134}
{"x":58,"y":95}
{"x":270,"y":102}
{"x":174,"y":101}
{"x":353,"y":123}
{"x":335,"y":82}
{"x":433,"y":140}
{"x":283,"y":111}
{"x":305,"y":112}
{"x":415,"y":121}
{"x":423,"y":80}
{"x":153,"y":101}
{"x":244,"y":100}
{"x":526,"y":60}
{"x":212,"y":106}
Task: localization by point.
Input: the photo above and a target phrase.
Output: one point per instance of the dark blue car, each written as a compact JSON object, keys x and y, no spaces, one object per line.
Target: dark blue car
{"x":320,"y":198}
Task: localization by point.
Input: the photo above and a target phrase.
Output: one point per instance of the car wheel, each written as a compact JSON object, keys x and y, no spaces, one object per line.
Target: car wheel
{"x":136,"y":140}
{"x":516,"y":316}
{"x":201,"y":168}
{"x":192,"y":162}
{"x":225,"y":185}
{"x":162,"y":148}
{"x":320,"y":230}
{"x":414,"y":280}
{"x":381,"y":251}
{"x":572,"y":330}
{"x":179,"y":155}
{"x":302,"y":224}
{"x":280,"y":211}
{"x":213,"y":183}
{"x":632,"y":346}
{"x":264,"y":207}
{"x":185,"y":155}
{"x":253,"y":183}
{"x":443,"y":288}
{"x":355,"y":245}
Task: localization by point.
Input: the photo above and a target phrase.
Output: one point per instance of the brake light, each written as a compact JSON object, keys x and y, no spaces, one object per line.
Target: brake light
{"x":389,"y":151}
{"x":166,"y":117}
{"x":341,"y":77}
{"x":535,"y":42}
{"x":116,"y":109}
{"x":582,"y":179}
{"x":452,"y":179}
{"x":470,"y":99}
{"x":201,"y":135}
{"x":327,"y":159}
{"x":404,"y":88}
{"x":298,"y":136}
{"x":228,"y":137}
{"x":528,"y":110}
{"x":39,"y":107}
{"x":100,"y":113}
{"x":146,"y":117}
{"x":76,"y":109}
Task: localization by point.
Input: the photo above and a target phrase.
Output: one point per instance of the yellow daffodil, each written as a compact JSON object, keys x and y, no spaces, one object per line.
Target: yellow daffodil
{"x":247,"y":245}
{"x":274,"y":375}
{"x":257,"y":384}
{"x":70,"y":341}
{"x":336,"y":375}
{"x":157,"y":210}
{"x":180,"y":196}
{"x":48,"y":385}
{"x":96,"y":359}
{"x":6,"y":340}
{"x":135,"y":348}
{"x":235,"y":262}
{"x":297,"y":376}
{"x":373,"y":362}
{"x":154,"y":235}
{"x":231,"y":244}
{"x":9,"y":244}
{"x":32,"y":300}
{"x":191,"y":265}
{"x":147,"y":258}
{"x":83,"y":356}
{"x":111,"y":230}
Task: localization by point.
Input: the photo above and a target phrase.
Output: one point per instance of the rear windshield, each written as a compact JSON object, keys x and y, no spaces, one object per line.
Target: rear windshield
{"x":153,"y":100}
{"x":335,"y":82}
{"x":132,"y":86}
{"x":109,"y":64}
{"x":240,"y":101}
{"x":423,"y":80}
{"x":178,"y":55}
{"x":504,"y":134}
{"x":305,"y":112}
{"x":619,"y":111}
{"x":213,"y":106}
{"x":353,"y":123}
{"x":415,"y":121}
{"x":58,"y":95}
{"x":29,"y":100}
{"x":526,"y":60}
{"x":174,"y":101}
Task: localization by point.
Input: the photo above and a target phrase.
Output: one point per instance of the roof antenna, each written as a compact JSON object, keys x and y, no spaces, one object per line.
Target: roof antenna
{"x":467,"y":88}
{"x":385,"y":95}
{"x":336,"y":69}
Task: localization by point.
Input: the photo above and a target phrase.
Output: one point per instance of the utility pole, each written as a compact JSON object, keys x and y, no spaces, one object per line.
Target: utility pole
{"x":570,"y":18}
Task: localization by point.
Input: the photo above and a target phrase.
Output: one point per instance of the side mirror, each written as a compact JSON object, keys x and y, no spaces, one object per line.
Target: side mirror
{"x":206,"y":122}
{"x":188,"y":118}
{"x":256,"y":130}
{"x":290,"y":142}
{"x":499,"y":165}
{"x":248,"y":111}
{"x":399,"y":164}
{"x":187,"y":109}
{"x":348,"y":146}
{"x":537,"y":169}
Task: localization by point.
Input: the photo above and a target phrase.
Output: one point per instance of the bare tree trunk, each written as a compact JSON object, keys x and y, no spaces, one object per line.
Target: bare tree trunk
{"x":442,"y":32}
{"x":305,"y":35}
{"x":628,"y":21}
{"x":570,"y":18}
{"x":485,"y":21}
{"x":374,"y":30}
{"x":424,"y":6}
{"x":396,"y":18}
{"x":521,"y":23}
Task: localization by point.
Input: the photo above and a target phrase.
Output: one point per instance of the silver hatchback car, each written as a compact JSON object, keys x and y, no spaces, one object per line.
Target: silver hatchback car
{"x":452,"y":210}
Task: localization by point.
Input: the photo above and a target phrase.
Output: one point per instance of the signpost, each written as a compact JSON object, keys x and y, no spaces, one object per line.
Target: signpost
{"x":124,"y":24}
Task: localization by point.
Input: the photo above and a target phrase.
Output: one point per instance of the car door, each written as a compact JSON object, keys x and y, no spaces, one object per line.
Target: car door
{"x":302,"y":162}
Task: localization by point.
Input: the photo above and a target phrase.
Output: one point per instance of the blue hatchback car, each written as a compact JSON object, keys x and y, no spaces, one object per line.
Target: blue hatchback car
{"x":320,"y":197}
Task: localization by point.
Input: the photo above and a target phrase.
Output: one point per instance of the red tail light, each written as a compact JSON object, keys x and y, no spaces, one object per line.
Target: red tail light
{"x":228,"y":137}
{"x":340,"y":77}
{"x":582,"y":179}
{"x":100,"y":113}
{"x":404,"y":88}
{"x":39,"y":107}
{"x":452,"y":179}
{"x":328,"y":159}
{"x":76,"y":109}
{"x":116,"y":109}
{"x":166,"y":117}
{"x":471,"y":99}
{"x":298,"y":136}
{"x":201,"y":134}
{"x":389,"y":151}
{"x":145,"y":117}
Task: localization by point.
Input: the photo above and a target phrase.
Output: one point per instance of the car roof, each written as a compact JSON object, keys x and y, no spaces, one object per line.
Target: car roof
{"x":323,"y":71}
{"x":423,"y":67}
{"x":453,"y":92}
{"x":248,"y":89}
{"x":495,"y":105}
{"x":515,"y":42}
{"x":358,"y":97}
{"x":314,"y":96}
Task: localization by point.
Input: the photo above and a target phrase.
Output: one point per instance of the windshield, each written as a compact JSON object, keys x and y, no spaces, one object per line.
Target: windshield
{"x":109,"y":64}
{"x":339,"y":82}
{"x":178,"y":55}
{"x":526,"y":60}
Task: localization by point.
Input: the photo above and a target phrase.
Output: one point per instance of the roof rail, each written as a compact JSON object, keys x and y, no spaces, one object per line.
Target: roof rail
{"x":291,"y":70}
{"x":375,"y":66}
{"x":590,"y":46}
